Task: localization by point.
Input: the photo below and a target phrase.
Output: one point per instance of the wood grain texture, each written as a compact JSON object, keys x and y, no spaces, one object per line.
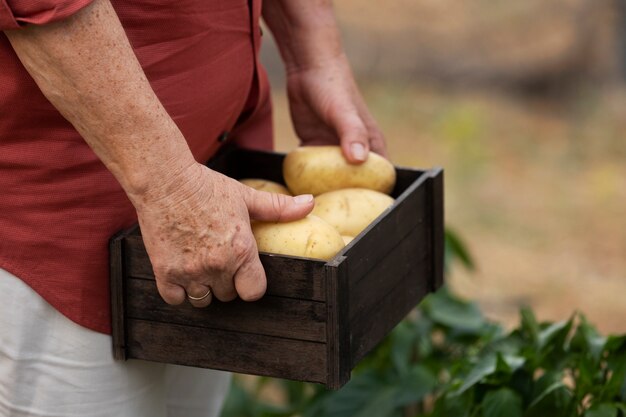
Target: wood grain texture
{"x":437,"y":226}
{"x":287,"y":276}
{"x":373,"y":324}
{"x":116,"y":282}
{"x":273,"y":316}
{"x":405,"y":177}
{"x":407,"y":212}
{"x":405,"y":260}
{"x":233,"y":351}
{"x":338,"y":345}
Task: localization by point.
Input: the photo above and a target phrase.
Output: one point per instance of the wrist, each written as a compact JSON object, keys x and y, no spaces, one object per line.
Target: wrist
{"x":306,"y":33}
{"x":172,"y":183}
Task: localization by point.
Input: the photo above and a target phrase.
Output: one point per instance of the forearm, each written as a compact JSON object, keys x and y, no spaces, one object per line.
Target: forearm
{"x":86,"y":67}
{"x":306,"y":32}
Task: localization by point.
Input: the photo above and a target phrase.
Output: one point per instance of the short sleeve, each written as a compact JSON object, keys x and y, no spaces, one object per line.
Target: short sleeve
{"x":15,"y":14}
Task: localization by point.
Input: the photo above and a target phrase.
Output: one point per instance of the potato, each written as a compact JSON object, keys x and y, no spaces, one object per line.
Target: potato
{"x":352,"y":209}
{"x":310,"y":237}
{"x":265,"y":185}
{"x":319,"y":169}
{"x":347,"y":239}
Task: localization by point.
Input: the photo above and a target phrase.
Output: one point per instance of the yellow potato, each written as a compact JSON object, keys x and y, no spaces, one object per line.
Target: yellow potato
{"x":347,"y":239}
{"x":352,"y":209}
{"x":265,"y":185}
{"x":319,"y":169}
{"x":310,"y":237}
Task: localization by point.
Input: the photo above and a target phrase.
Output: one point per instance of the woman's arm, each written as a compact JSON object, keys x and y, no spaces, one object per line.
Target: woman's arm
{"x":195,"y":222}
{"x":325,"y":103}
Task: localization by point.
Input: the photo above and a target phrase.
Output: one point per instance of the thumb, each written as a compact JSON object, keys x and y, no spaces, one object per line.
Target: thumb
{"x":353,"y":136}
{"x":270,"y":207}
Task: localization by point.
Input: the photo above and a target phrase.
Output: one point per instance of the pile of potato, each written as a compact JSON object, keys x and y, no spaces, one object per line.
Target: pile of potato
{"x":347,"y":199}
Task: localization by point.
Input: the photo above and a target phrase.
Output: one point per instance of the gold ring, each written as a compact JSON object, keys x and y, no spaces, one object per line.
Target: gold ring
{"x":199,"y":298}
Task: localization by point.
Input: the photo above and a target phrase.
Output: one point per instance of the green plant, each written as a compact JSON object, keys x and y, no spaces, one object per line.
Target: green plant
{"x":446,"y":359}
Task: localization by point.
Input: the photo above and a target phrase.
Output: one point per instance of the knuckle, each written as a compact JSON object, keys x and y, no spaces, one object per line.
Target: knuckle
{"x":188,"y":269}
{"x":163,"y":271}
{"x":216,"y":262}
{"x":241,"y":248}
{"x":279,"y":202}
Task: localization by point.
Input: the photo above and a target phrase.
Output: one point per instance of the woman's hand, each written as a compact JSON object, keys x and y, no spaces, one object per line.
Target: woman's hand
{"x":325,"y":103}
{"x":327,"y":108}
{"x":197,"y":233}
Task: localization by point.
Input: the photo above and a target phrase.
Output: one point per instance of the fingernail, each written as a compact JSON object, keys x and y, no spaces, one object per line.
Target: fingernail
{"x":358,"y":151}
{"x":303,"y":199}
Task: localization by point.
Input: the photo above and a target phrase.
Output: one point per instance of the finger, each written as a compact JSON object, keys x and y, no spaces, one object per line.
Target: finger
{"x":377,"y":140}
{"x":223,"y":287}
{"x":270,"y":207}
{"x":202,"y":295}
{"x":250,"y":280}
{"x":353,"y":135}
{"x":172,"y":294}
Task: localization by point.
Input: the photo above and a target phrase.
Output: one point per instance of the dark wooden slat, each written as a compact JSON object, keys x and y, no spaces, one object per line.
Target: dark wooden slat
{"x":338,"y":346}
{"x":273,"y":316}
{"x":371,"y":326}
{"x":437,"y":222}
{"x":405,"y":177}
{"x":116,"y":273}
{"x":230,"y":351}
{"x":287,"y":276}
{"x":407,"y":257}
{"x":381,"y":236}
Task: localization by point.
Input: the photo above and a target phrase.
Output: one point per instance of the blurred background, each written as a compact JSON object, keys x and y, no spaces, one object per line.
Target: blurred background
{"x":524,"y":105}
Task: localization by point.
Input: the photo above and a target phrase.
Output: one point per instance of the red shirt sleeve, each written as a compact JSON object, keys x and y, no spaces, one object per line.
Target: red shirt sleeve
{"x":14,"y":14}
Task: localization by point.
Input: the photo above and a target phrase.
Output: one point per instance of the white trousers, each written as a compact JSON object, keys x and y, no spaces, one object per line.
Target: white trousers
{"x":52,"y":367}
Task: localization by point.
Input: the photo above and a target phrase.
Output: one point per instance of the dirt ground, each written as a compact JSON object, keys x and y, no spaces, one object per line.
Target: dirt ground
{"x":536,"y":187}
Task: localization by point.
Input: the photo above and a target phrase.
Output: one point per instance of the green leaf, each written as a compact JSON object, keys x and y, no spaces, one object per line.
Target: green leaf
{"x":588,"y":341}
{"x":615,"y":386}
{"x":529,"y":325}
{"x":522,"y":382}
{"x":456,"y":250}
{"x":446,"y":310}
{"x":453,"y":406}
{"x":367,"y":394}
{"x":296,"y":392}
{"x":601,"y":410}
{"x":615,"y":344}
{"x":415,"y":385}
{"x":403,"y":345}
{"x":380,"y":404}
{"x":554,"y":335}
{"x":485,"y":366}
{"x":239,"y":403}
{"x":502,"y":403}
{"x":551,"y":389}
{"x":552,"y":398}
{"x":509,"y":363}
{"x":621,"y":407}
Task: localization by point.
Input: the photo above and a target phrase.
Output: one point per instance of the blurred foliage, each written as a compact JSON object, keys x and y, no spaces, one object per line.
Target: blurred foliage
{"x":447,"y":359}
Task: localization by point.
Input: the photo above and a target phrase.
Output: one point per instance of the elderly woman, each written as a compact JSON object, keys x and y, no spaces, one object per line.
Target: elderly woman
{"x":107,"y":110}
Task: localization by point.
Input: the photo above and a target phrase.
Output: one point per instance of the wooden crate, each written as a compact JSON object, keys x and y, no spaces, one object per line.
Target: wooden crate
{"x":318,"y":319}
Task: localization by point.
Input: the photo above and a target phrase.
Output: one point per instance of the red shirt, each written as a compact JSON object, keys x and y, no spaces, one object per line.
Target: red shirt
{"x":59,"y":205}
